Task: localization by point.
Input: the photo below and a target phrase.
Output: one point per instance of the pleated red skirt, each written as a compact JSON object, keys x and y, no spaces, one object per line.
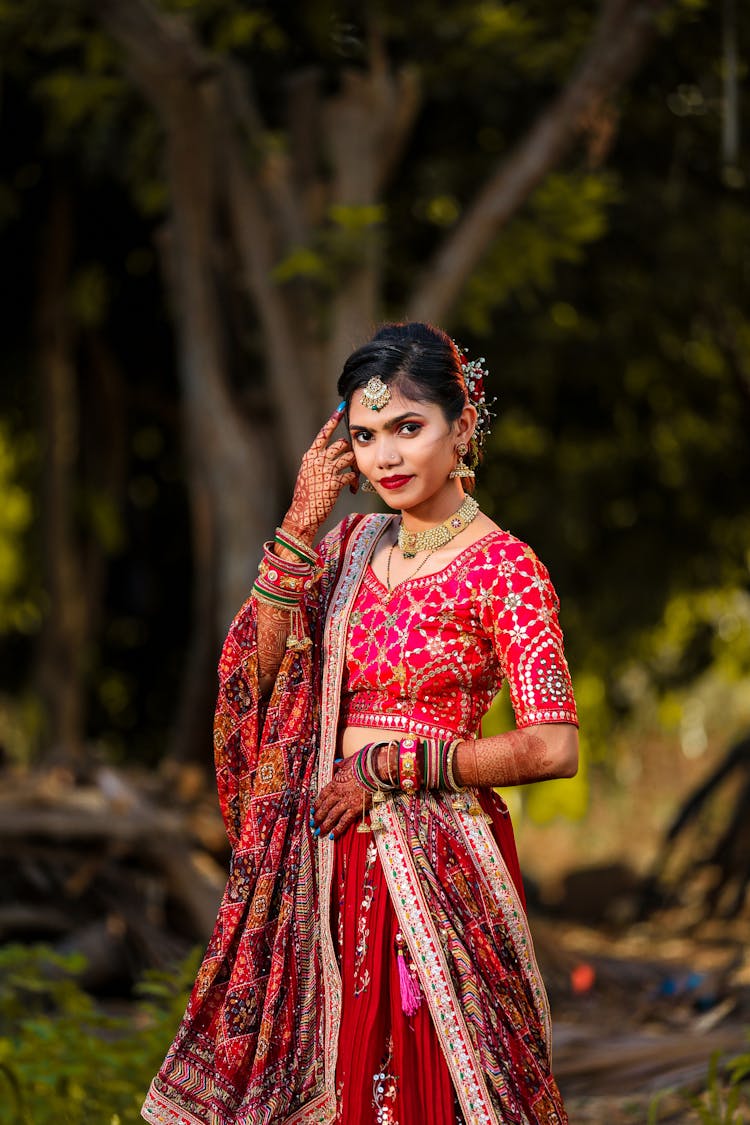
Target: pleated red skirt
{"x":391,"y":1069}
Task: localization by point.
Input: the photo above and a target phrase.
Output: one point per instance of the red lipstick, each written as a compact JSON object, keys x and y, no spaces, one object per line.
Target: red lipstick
{"x":394,"y":482}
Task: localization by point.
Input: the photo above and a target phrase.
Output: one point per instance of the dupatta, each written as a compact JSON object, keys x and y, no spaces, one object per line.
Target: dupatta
{"x":258,"y":1042}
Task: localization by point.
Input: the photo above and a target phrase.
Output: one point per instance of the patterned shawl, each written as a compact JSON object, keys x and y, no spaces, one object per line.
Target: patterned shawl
{"x":259,"y":1038}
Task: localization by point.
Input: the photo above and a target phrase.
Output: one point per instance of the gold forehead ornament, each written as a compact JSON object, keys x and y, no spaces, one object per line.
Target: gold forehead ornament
{"x":376,"y":394}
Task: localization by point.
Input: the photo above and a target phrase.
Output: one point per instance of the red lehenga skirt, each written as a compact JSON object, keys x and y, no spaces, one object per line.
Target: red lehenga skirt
{"x":391,"y":1069}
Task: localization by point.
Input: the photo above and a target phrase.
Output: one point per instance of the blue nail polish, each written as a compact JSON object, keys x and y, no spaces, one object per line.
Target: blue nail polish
{"x":316,"y":832}
{"x":337,"y":760}
{"x":331,"y":836}
{"x":342,"y":404}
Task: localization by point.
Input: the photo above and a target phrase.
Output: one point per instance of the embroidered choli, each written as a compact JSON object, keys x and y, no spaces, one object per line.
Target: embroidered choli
{"x":429,"y":656}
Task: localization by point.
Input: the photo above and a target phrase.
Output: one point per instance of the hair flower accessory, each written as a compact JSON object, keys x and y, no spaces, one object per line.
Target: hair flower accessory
{"x":475,"y":374}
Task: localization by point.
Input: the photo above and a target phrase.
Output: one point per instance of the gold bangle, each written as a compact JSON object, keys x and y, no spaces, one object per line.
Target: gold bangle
{"x":449,"y":775}
{"x":304,"y":551}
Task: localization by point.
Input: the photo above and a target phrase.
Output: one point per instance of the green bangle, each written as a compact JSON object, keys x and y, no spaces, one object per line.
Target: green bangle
{"x":274,"y":599}
{"x":297,"y":547}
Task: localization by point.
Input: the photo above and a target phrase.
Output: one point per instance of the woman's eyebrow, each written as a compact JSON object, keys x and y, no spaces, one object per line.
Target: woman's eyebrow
{"x":393,"y":422}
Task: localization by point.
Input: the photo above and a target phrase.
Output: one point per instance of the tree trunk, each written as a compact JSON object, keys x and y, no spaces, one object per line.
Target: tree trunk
{"x":61,"y":667}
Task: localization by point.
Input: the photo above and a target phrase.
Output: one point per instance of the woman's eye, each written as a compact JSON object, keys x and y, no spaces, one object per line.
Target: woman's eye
{"x":361,"y":437}
{"x":411,"y":428}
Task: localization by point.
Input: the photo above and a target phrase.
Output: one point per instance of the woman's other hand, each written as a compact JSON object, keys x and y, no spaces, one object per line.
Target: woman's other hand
{"x":340,"y":802}
{"x":324,"y":472}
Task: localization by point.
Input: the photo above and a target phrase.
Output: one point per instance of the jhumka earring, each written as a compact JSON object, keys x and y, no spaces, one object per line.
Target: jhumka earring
{"x":367,"y":486}
{"x":461,"y":469}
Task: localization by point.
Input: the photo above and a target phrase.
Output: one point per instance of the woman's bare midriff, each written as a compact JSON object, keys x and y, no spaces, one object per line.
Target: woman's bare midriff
{"x":353,"y":739}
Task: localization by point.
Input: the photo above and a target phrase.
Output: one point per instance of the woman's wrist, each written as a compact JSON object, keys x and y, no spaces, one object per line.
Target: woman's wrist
{"x":386,"y":763}
{"x":299,"y":530}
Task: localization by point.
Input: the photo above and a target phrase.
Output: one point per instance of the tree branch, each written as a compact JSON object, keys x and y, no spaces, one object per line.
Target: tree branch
{"x":160,"y":49}
{"x":257,"y":252}
{"x":622,"y":36}
{"x":366,"y":126}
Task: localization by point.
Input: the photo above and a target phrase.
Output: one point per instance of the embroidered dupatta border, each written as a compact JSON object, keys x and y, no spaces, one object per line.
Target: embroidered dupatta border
{"x":426,"y":951}
{"x":322,"y":1110}
{"x":490,"y":862}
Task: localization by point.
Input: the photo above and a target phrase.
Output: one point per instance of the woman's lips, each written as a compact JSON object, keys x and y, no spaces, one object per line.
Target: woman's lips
{"x":394,"y":482}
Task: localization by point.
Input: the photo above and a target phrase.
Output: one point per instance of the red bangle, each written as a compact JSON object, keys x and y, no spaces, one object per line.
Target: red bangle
{"x":407,"y":764}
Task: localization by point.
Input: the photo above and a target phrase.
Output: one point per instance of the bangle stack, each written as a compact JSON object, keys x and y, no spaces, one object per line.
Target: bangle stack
{"x":422,"y":763}
{"x":438,"y":764}
{"x":365,"y":771}
{"x":283,"y":583}
{"x":280,"y":581}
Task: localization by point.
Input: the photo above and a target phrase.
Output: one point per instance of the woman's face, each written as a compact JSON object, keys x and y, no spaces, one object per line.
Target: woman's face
{"x":408,"y":448}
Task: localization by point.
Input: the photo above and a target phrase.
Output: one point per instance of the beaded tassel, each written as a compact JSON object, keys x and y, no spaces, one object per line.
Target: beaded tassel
{"x":411,"y":996}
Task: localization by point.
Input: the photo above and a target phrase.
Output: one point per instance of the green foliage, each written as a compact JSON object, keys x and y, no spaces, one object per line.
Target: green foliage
{"x":18,"y":610}
{"x":725,"y":1099}
{"x":337,"y":247}
{"x":565,"y":214}
{"x":65,"y":1062}
{"x":721,"y":1103}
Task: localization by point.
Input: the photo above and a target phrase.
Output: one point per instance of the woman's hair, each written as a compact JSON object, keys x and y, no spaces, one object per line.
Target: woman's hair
{"x":420,"y":361}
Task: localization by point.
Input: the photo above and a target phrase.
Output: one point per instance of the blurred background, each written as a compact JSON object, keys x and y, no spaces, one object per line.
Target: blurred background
{"x":205,"y":205}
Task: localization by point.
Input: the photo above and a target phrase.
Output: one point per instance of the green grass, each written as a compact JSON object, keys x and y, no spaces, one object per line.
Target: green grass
{"x":65,"y":1062}
{"x":725,"y":1099}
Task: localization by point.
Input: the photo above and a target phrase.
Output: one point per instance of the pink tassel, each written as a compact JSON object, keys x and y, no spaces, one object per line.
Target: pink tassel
{"x":411,"y":997}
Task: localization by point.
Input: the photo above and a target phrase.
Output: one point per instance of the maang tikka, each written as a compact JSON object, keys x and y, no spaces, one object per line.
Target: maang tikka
{"x":376,"y":394}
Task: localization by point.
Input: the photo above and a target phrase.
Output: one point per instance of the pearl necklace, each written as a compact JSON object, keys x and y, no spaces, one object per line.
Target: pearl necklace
{"x":412,"y":542}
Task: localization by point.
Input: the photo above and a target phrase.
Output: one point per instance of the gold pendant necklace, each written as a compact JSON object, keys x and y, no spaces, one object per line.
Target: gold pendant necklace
{"x":412,"y":542}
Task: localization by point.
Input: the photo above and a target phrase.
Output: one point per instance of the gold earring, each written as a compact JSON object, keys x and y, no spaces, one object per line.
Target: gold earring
{"x":461,"y":469}
{"x":367,"y":486}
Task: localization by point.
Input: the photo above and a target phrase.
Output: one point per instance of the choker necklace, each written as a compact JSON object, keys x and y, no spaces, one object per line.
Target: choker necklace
{"x":412,"y":542}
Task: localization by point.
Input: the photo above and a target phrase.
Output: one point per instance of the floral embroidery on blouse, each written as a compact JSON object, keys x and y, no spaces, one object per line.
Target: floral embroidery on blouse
{"x":429,"y":656}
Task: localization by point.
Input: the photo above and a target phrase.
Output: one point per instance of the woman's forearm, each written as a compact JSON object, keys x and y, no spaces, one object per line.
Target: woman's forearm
{"x":273,"y":630}
{"x":537,"y":753}
{"x":274,"y":626}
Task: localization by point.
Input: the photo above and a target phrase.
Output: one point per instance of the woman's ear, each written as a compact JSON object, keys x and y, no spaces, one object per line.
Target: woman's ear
{"x":466,"y":423}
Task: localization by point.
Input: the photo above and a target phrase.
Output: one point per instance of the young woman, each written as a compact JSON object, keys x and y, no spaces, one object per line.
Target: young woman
{"x":371,"y":961}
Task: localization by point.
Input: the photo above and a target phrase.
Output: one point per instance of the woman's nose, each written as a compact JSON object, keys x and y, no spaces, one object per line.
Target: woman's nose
{"x":386,"y":452}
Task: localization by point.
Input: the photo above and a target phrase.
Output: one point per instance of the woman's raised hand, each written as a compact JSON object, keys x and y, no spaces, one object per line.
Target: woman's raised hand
{"x":324,"y":472}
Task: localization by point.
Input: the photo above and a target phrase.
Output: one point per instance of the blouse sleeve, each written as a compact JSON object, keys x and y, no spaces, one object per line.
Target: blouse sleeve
{"x":519,"y":610}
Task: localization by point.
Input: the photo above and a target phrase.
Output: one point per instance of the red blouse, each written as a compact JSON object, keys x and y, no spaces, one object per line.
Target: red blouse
{"x":429,"y":656}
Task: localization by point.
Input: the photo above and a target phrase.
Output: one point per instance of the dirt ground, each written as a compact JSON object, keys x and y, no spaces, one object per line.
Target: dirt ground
{"x":638,"y":1016}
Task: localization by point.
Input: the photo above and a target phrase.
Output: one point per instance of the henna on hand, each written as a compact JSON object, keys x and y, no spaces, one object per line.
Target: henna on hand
{"x":340,"y":802}
{"x":514,"y":758}
{"x":273,"y":629}
{"x":325,"y":471}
